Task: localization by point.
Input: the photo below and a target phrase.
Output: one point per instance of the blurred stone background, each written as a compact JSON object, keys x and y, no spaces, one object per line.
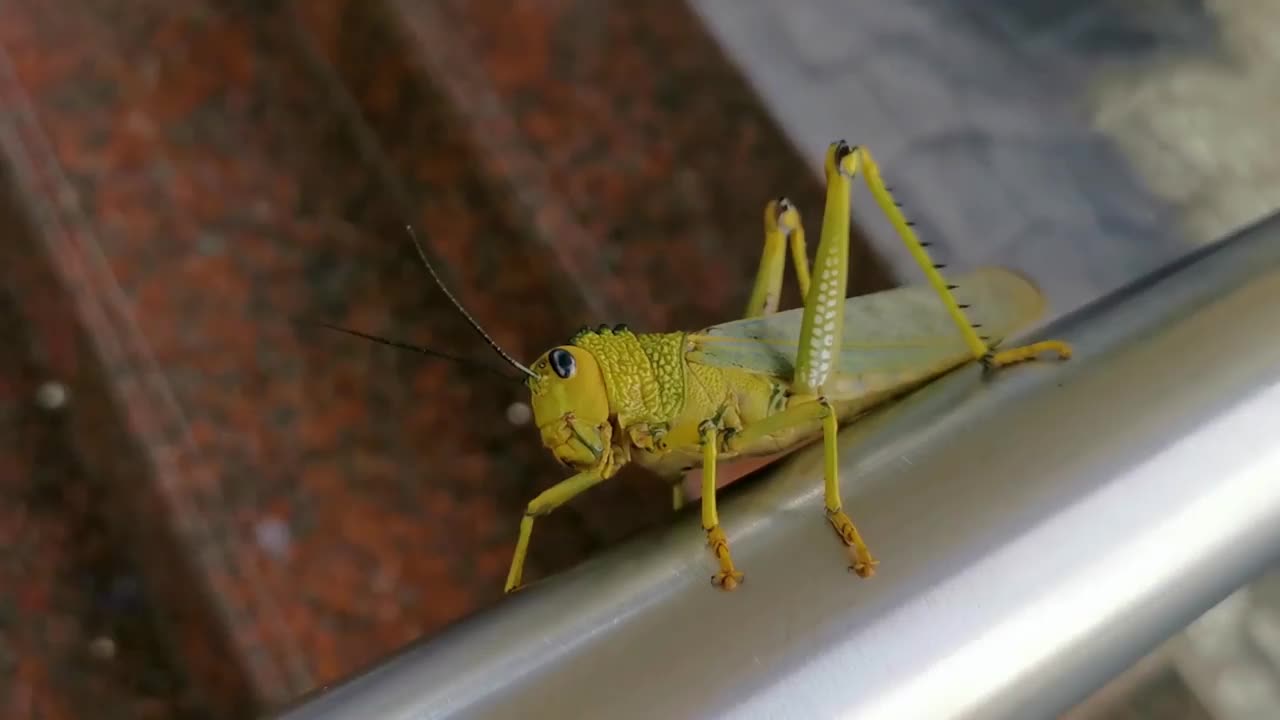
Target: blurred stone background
{"x":208,"y":510}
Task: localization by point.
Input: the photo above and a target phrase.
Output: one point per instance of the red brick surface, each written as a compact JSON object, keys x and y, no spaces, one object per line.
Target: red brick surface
{"x":77,"y":632}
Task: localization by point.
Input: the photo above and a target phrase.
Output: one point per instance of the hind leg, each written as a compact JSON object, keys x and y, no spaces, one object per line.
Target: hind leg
{"x":989,"y":356}
{"x":782,"y":227}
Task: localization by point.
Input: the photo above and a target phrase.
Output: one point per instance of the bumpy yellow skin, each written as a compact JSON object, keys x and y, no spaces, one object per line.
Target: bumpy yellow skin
{"x":661,"y":399}
{"x":610,"y":397}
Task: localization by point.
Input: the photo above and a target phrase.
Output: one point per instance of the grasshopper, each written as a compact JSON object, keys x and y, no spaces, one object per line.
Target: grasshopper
{"x":772,"y":381}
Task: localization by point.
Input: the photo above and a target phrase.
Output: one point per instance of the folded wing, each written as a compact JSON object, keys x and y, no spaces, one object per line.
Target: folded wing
{"x":905,"y":329}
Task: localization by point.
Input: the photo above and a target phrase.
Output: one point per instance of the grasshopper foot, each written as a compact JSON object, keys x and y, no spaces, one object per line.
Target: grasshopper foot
{"x":863,"y":564}
{"x":864,"y":567}
{"x":997,"y":359}
{"x":728,"y":578}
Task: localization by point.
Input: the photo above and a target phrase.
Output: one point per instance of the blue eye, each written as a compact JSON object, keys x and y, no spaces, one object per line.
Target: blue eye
{"x":562,"y":362}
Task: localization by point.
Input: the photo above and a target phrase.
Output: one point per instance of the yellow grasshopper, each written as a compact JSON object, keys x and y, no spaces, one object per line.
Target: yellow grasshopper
{"x":770,"y":382}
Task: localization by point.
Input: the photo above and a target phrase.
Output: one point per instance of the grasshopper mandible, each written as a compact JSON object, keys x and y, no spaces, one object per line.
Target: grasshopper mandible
{"x":772,"y":381}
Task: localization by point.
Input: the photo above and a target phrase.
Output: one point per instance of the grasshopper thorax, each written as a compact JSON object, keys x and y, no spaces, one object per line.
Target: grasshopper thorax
{"x":571,"y":405}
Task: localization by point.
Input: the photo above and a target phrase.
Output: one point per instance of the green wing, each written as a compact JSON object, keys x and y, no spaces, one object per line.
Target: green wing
{"x":903,"y":330}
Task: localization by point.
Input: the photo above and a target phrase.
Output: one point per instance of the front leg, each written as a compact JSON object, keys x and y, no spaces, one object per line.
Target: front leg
{"x":613,"y":457}
{"x":550,"y":499}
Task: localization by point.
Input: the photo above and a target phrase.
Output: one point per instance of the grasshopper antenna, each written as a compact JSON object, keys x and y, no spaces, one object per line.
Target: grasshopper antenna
{"x":415,"y":348}
{"x":466,"y":315}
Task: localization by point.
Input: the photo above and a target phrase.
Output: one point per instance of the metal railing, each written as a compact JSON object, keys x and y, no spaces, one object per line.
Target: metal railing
{"x":1038,"y":532}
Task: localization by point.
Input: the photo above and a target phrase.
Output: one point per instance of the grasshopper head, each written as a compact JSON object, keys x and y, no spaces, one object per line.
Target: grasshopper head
{"x":570,"y":405}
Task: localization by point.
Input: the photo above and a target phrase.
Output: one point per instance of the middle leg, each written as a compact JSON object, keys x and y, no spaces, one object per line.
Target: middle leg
{"x":728,"y":577}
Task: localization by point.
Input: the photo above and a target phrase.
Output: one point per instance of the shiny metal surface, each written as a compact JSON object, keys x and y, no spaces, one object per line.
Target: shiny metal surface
{"x":1037,"y":533}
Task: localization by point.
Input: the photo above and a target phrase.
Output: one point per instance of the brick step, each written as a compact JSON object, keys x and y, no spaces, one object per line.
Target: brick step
{"x":616,"y":136}
{"x":78,"y":638}
{"x":185,"y":178}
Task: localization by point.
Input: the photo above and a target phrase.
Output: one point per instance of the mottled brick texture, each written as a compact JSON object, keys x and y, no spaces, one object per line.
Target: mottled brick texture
{"x":78,"y":637}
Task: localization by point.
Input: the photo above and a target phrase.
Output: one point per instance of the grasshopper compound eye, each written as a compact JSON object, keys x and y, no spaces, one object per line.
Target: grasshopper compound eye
{"x":562,"y":362}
